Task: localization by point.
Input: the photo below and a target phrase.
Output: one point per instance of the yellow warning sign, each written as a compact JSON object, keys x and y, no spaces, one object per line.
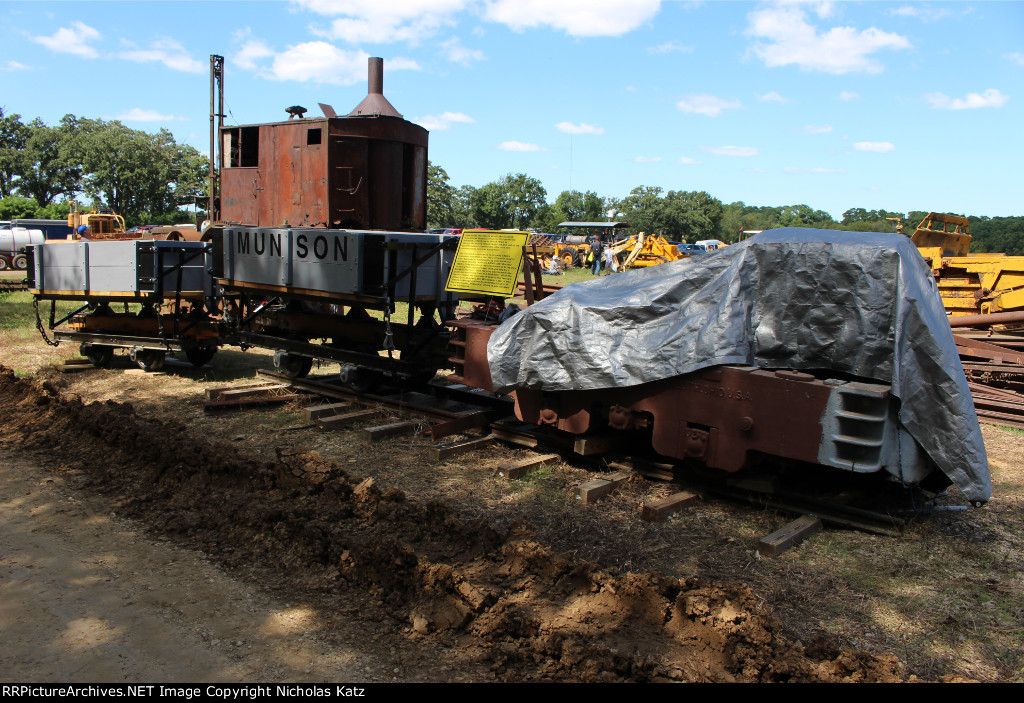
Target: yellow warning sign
{"x":487,"y":262}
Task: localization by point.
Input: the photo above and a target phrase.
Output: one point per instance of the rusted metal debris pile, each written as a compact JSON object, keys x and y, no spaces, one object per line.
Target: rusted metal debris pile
{"x":993,"y":360}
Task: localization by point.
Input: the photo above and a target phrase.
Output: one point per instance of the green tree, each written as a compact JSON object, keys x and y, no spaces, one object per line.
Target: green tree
{"x":645,"y":209}
{"x":512,"y":202}
{"x":135,"y":173}
{"x":441,"y":197}
{"x":691,"y":215}
{"x":13,"y":136}
{"x":49,"y":168}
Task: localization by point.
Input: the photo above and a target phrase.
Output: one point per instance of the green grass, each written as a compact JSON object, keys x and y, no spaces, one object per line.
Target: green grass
{"x":17,"y":311}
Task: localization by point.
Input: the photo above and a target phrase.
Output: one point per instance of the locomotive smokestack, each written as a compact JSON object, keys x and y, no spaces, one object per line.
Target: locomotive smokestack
{"x":375,"y":104}
{"x":376,"y":77}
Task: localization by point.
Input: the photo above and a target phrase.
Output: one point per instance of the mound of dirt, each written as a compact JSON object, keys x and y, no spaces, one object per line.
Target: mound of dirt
{"x":531,"y":612}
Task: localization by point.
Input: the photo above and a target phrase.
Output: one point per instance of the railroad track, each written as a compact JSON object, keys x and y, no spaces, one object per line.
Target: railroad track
{"x":12,"y":284}
{"x":486,"y":418}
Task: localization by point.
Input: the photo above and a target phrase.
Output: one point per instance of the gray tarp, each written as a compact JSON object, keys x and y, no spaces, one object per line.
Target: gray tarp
{"x":860,"y":303}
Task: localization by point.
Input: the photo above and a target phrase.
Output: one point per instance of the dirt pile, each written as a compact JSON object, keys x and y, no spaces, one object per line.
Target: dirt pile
{"x":506,"y":598}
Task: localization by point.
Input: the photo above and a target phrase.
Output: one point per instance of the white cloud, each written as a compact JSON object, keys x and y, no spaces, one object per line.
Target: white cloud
{"x":581,"y":128}
{"x":325,"y":63}
{"x":251,"y":52}
{"x":815,"y":129}
{"x":14,"y":66}
{"x":578,"y":18}
{"x":688,"y":161}
{"x":456,"y":53}
{"x":379,"y":21}
{"x":519,"y":146}
{"x":168,"y":52}
{"x":1017,"y":57}
{"x":990,"y":98}
{"x":704,"y":104}
{"x":772,"y":97}
{"x":876,"y":147}
{"x":730,"y":150}
{"x":928,"y":14}
{"x":848,"y":95}
{"x":138,"y":114}
{"x":443,"y":121}
{"x":647,"y":159}
{"x":72,"y":40}
{"x":670,"y":47}
{"x":384,"y":21}
{"x":791,"y":39}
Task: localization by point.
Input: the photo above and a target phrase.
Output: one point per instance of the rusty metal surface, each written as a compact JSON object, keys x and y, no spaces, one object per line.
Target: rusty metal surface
{"x":718,"y":416}
{"x":366,"y":171}
{"x":469,"y":352}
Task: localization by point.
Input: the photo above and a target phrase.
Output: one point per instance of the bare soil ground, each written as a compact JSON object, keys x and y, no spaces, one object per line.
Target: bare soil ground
{"x":298,"y":555}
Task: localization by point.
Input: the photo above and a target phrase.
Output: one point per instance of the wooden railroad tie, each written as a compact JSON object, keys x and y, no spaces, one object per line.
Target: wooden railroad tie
{"x":232,"y":403}
{"x":235,"y":392}
{"x":315,"y":412}
{"x":376,"y":434}
{"x":596,"y":444}
{"x":517,"y":469}
{"x":471,"y":421}
{"x":593,"y":491}
{"x":450,"y":449}
{"x":789,"y":535}
{"x":514,"y":437}
{"x":339,"y":422}
{"x":660,"y":509}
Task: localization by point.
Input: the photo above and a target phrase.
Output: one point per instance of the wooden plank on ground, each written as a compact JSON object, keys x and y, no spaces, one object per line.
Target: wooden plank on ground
{"x":514,"y":437}
{"x":339,"y":422}
{"x":458,"y":425}
{"x":446,"y":451}
{"x":596,"y":444}
{"x":217,"y":393}
{"x":789,"y":535}
{"x":315,"y":412}
{"x":376,"y":434}
{"x":518,"y":469}
{"x":593,"y":491}
{"x":233,"y":403}
{"x":660,"y":509}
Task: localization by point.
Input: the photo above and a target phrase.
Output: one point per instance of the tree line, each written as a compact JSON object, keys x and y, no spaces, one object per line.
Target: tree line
{"x":519,"y":201}
{"x":150,"y":178}
{"x":146,"y":178}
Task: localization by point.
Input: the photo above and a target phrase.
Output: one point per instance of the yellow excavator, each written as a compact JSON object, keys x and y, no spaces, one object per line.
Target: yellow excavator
{"x":970,"y":284}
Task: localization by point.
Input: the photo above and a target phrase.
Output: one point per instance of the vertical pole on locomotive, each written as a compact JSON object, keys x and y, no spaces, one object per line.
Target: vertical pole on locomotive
{"x":216,"y":78}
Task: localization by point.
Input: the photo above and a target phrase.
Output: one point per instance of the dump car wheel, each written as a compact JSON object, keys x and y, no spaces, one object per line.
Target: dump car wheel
{"x":21,"y":262}
{"x":291,"y":365}
{"x":148,"y":359}
{"x":200,"y":356}
{"x":97,"y":354}
{"x":360,"y":380}
{"x":3,"y":263}
{"x":570,"y":257}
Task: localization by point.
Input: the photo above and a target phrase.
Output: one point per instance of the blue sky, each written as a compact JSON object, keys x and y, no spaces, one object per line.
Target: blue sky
{"x":895,"y":105}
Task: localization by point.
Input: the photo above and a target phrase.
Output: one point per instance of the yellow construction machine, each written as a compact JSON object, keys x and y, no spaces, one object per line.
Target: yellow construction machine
{"x":102,"y":225}
{"x":970,"y":284}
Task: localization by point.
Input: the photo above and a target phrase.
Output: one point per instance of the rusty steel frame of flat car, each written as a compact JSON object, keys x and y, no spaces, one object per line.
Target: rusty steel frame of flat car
{"x":728,"y":412}
{"x":717,"y":415}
